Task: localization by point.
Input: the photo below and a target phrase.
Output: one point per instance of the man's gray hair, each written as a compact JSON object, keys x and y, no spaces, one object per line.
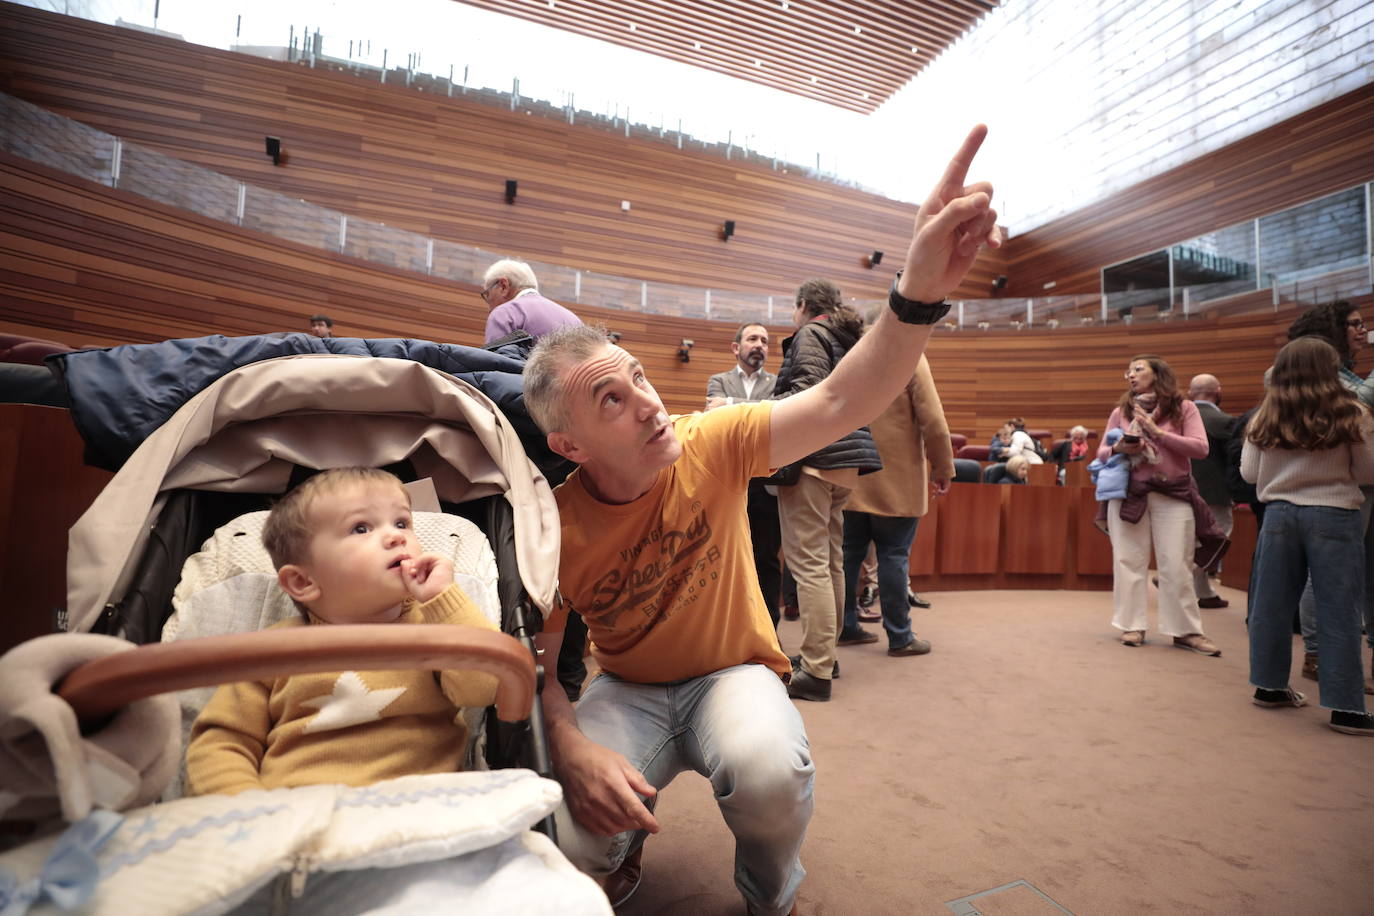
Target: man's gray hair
{"x":554,"y":352}
{"x":517,"y":272}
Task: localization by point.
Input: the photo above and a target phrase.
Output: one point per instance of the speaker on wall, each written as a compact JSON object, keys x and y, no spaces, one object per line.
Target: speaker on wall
{"x":274,"y":149}
{"x":510,"y":190}
{"x":727,"y":230}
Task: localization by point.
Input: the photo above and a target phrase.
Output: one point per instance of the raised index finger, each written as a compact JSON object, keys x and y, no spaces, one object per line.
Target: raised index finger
{"x":957,"y":170}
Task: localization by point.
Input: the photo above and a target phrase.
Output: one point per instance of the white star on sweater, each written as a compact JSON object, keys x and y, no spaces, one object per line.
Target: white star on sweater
{"x":351,"y":703}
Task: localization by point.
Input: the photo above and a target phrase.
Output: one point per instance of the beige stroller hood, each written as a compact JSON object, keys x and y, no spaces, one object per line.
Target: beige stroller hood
{"x":246,"y":431}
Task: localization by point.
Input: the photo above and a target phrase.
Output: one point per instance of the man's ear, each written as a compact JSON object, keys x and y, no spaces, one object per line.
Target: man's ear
{"x":297,"y":583}
{"x":734,"y":348}
{"x":563,"y":444}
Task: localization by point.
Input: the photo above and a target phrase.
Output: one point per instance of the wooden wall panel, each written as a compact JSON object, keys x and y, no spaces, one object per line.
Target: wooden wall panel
{"x":437,"y":165}
{"x":44,"y":489}
{"x":85,"y":264}
{"x":1321,"y":151}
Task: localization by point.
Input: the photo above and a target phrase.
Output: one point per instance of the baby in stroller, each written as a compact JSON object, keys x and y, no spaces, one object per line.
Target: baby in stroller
{"x":345,"y":551}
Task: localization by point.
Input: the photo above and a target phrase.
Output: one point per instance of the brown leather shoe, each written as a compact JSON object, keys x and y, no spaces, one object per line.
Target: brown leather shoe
{"x":621,"y":884}
{"x":1309,"y":665}
{"x":1216,"y":601}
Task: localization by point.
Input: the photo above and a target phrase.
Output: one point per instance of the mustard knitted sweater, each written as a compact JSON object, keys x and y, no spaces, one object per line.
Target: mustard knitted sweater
{"x":350,"y":727}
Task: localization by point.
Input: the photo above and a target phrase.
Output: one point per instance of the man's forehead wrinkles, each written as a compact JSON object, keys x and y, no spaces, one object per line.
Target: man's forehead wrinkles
{"x":586,"y":373}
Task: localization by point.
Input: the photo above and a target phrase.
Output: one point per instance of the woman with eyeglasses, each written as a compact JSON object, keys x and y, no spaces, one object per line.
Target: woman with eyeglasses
{"x":1340,"y":324}
{"x":1162,"y":433}
{"x":1307,"y":448}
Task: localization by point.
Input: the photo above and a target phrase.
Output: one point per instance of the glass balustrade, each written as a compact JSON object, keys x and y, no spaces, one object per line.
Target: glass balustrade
{"x":1310,"y":253}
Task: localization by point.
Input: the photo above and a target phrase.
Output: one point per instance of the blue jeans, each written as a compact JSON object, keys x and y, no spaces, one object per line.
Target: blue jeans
{"x":1329,"y":543}
{"x":1307,"y":606}
{"x":891,"y":539}
{"x":737,"y":728}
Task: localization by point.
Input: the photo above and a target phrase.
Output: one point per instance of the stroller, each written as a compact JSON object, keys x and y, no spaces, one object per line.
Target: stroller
{"x":417,"y":844}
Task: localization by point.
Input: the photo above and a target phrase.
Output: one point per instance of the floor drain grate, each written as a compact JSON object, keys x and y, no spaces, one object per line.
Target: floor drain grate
{"x":1019,"y":898}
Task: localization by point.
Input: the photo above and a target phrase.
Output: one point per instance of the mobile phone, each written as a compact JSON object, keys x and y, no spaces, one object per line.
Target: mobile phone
{"x":1129,"y":439}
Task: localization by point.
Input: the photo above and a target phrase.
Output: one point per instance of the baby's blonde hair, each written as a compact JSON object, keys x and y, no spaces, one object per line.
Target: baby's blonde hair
{"x":288,"y":530}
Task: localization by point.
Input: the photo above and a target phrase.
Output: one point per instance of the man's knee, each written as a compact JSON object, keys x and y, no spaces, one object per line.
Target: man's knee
{"x":771,"y":774}
{"x":589,"y":852}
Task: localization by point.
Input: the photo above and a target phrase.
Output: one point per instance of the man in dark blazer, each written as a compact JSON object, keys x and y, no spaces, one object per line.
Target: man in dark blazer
{"x":749,"y":381}
{"x":1210,"y":472}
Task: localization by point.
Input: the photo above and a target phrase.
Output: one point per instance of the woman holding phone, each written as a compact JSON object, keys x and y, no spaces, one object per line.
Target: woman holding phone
{"x":1162,"y":432}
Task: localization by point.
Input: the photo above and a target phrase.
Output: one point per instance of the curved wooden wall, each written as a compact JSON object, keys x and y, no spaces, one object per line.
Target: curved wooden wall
{"x":86,"y":264}
{"x":1321,"y":151}
{"x":436,"y":165}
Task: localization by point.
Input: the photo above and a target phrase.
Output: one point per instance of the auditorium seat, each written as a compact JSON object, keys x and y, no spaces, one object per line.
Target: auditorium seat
{"x":966,"y":470}
{"x":958,"y":440}
{"x":976,"y":452}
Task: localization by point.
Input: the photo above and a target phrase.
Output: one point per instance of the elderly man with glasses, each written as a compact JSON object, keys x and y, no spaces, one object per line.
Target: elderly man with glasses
{"x":512,"y":293}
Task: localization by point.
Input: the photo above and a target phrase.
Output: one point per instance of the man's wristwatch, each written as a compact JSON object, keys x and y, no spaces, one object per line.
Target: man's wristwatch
{"x":909,"y":311}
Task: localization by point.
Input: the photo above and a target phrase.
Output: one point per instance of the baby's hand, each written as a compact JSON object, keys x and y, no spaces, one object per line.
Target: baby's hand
{"x":426,"y":576}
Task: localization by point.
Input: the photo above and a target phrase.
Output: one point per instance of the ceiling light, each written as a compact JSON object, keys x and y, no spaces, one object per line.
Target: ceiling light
{"x":633,"y":27}
{"x":858,"y":31}
{"x":758,"y":63}
{"x":697,"y":45}
{"x":815,"y":79}
{"x":784,"y":4}
{"x":865,"y":95}
{"x":913,"y":50}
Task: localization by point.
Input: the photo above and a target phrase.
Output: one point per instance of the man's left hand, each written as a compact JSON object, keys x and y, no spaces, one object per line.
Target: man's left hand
{"x":939,"y":486}
{"x":953,"y":223}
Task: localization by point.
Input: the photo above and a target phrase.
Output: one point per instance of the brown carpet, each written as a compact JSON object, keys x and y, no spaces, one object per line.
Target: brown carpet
{"x":1031,"y":746}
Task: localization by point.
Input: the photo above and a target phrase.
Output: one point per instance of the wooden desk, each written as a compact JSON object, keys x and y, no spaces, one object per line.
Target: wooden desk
{"x":1036,"y":521}
{"x":1235,"y":568}
{"x":1076,"y":474}
{"x":1043,"y":475}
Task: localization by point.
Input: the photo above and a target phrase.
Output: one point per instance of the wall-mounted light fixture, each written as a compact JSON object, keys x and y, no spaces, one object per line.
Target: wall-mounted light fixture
{"x":684,"y":352}
{"x":873,"y":260}
{"x":274,"y":149}
{"x":727,"y":230}
{"x":613,"y":336}
{"x":999,"y":283}
{"x":510,"y":190}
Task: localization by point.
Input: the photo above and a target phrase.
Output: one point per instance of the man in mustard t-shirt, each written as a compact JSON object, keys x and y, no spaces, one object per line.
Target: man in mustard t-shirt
{"x":657,"y":559}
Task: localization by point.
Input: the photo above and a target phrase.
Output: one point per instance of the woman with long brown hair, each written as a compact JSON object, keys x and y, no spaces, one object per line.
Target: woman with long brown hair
{"x":1308,"y":448}
{"x":1162,"y":432}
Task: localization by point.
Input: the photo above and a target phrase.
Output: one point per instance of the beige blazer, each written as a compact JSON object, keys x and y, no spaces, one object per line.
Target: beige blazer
{"x":909,"y":431}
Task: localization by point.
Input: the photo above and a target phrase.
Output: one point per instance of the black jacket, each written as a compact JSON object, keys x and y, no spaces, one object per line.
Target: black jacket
{"x":810,"y":355}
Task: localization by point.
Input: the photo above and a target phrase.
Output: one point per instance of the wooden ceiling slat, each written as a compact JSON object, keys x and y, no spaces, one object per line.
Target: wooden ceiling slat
{"x":855,"y":71}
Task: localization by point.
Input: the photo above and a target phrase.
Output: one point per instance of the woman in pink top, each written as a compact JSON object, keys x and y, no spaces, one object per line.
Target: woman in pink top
{"x":1161,"y":437}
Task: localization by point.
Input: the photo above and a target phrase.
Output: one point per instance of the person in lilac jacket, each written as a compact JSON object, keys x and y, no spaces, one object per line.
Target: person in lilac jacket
{"x":512,"y":293}
{"x":1174,"y":429}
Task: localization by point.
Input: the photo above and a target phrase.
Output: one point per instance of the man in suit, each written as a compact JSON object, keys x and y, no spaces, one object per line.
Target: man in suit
{"x":749,"y":381}
{"x":1210,"y":472}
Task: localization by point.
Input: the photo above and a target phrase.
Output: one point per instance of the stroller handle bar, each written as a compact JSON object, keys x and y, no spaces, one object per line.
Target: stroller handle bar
{"x":98,"y":688}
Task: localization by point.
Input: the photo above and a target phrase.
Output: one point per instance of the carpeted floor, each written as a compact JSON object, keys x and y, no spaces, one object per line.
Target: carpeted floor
{"x":1032,"y":747}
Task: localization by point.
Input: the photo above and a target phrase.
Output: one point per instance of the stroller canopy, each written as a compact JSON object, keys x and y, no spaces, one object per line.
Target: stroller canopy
{"x":252,"y":427}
